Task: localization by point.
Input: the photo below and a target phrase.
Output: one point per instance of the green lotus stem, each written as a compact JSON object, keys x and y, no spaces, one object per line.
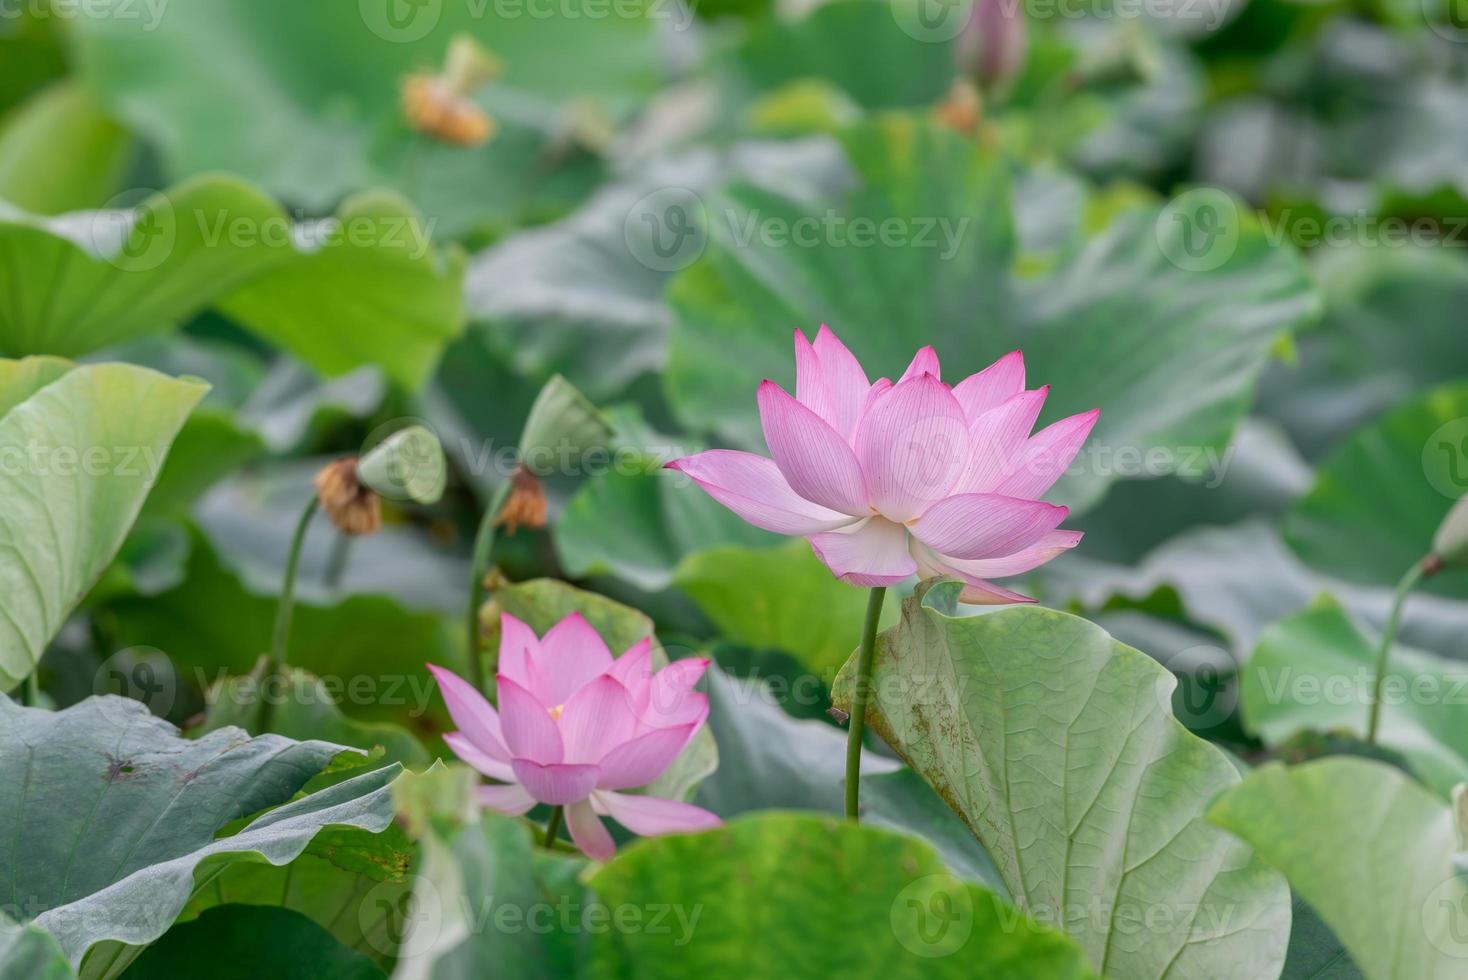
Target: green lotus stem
{"x":859,"y":700}
{"x":284,"y":607}
{"x":553,"y":828}
{"x":1414,"y":575}
{"x":33,"y":688}
{"x":478,"y":566}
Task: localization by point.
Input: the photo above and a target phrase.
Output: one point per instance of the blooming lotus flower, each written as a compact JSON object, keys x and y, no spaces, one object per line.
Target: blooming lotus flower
{"x":887,"y":480}
{"x":575,"y":726}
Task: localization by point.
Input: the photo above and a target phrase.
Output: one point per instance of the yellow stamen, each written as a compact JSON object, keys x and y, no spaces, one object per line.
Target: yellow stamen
{"x":555,"y":712}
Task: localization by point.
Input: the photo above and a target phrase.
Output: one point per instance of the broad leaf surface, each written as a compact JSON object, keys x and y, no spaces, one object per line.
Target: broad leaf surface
{"x":1380,"y":495}
{"x":83,"y":448}
{"x":364,"y":286}
{"x":243,"y":942}
{"x":806,"y":896}
{"x":778,"y":598}
{"x":1170,"y":355}
{"x":1057,"y":746}
{"x":113,"y":813}
{"x":61,"y":152}
{"x":304,"y":98}
{"x":1371,"y":850}
{"x":1315,"y":671}
{"x":771,"y":761}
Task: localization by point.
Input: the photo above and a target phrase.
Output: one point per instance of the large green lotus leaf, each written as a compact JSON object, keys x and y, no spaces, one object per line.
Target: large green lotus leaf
{"x":771,"y":761}
{"x":83,"y":448}
{"x":32,"y":49}
{"x":346,"y":881}
{"x":243,"y":942}
{"x":778,"y":598}
{"x":61,"y":152}
{"x":583,"y":296}
{"x":876,"y":53}
{"x":30,"y":953}
{"x":542,"y":603}
{"x":1392,"y":327}
{"x":306,"y":708}
{"x":369,"y":650}
{"x":1381,"y":494}
{"x":364,"y":286}
{"x":1315,"y":672}
{"x":488,"y":902}
{"x":1371,"y":851}
{"x":113,"y":812}
{"x":304,"y":98}
{"x":1239,"y":580}
{"x":1315,"y":952}
{"x":1057,"y":746}
{"x":811,"y":896}
{"x":1168,"y":346}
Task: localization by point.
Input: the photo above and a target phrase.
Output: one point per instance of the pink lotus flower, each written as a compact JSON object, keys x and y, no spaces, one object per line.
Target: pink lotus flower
{"x":575,"y":726}
{"x":890,"y":480}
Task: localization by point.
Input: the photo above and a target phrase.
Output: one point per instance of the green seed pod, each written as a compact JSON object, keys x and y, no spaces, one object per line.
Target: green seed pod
{"x":1450,"y":543}
{"x":563,"y":426}
{"x":407,"y":465}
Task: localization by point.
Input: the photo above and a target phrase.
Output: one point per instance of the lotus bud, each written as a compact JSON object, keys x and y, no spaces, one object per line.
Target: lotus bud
{"x":1450,"y":543}
{"x":562,"y":427}
{"x":353,"y":508}
{"x":407,"y":465}
{"x":441,"y":106}
{"x":992,"y":46}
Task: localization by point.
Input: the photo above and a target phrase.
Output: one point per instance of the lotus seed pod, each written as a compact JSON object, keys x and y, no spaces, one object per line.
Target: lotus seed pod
{"x":562,"y":427}
{"x":407,"y":465}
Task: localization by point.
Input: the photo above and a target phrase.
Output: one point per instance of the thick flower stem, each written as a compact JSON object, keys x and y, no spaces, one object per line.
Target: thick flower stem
{"x":1409,"y":581}
{"x":553,"y":827}
{"x":859,"y":700}
{"x":285,"y":605}
{"x":478,"y":566}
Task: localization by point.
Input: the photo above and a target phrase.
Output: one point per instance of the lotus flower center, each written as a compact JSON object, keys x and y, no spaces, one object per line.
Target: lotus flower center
{"x":555,"y":712}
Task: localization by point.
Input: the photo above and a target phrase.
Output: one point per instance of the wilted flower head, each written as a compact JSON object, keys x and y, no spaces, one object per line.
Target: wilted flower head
{"x":890,"y":480}
{"x":440,"y":105}
{"x":575,"y":726}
